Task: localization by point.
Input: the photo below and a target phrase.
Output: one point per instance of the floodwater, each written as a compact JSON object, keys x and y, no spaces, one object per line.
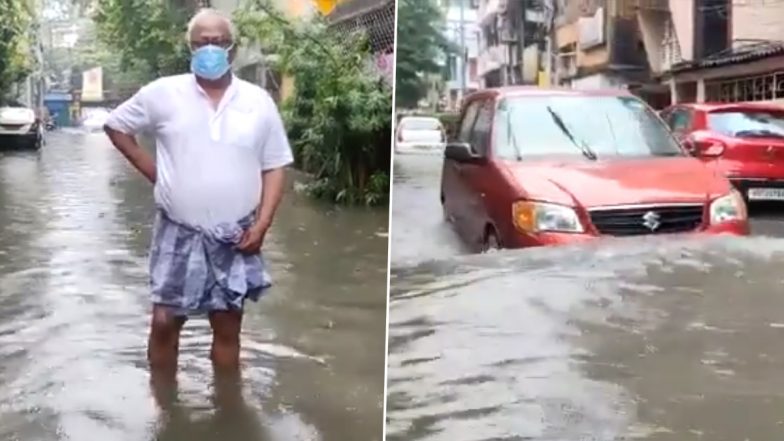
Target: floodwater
{"x":74,"y":315}
{"x":656,"y":340}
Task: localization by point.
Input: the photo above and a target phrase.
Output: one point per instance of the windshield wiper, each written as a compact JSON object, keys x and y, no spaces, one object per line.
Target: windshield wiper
{"x":586,"y":151}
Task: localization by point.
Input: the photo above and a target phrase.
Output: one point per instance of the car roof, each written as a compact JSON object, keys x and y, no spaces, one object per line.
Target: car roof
{"x":534,"y":91}
{"x":724,"y":107}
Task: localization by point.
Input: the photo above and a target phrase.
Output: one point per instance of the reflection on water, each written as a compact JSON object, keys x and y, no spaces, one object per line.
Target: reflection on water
{"x":74,"y":315}
{"x":636,"y":339}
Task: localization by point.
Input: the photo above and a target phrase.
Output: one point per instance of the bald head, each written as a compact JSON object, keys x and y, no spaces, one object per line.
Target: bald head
{"x":210,"y":26}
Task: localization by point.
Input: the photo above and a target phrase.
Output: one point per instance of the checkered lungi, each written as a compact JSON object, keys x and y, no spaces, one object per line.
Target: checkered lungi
{"x":195,"y":271}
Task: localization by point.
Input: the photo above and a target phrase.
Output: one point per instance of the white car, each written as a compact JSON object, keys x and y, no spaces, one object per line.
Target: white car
{"x":19,"y":126}
{"x":94,"y":119}
{"x":419,"y":134}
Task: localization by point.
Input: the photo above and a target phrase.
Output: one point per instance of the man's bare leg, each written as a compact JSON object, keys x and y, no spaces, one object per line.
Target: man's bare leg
{"x":164,"y":341}
{"x":226,"y":326}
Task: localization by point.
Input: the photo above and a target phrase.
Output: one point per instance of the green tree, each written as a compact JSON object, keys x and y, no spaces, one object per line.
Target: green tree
{"x":339,"y":116}
{"x":145,"y":34}
{"x":420,"y":44}
{"x":14,"y":43}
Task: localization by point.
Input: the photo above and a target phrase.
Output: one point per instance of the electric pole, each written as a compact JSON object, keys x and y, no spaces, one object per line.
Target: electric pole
{"x":464,"y":51}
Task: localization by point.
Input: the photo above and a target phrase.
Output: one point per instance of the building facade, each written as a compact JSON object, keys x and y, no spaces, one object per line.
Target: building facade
{"x":730,"y":51}
{"x":670,"y":51}
{"x":514,"y":43}
{"x":461,"y":69}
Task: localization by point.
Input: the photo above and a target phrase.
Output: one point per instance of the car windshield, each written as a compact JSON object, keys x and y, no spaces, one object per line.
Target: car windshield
{"x":593,"y":126}
{"x":421,"y":124}
{"x":748,"y":123}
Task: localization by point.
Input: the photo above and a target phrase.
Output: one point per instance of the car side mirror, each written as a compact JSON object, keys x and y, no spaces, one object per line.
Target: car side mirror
{"x":460,"y":152}
{"x":704,"y":144}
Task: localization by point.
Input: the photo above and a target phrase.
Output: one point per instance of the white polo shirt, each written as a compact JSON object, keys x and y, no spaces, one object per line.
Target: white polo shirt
{"x":209,"y":161}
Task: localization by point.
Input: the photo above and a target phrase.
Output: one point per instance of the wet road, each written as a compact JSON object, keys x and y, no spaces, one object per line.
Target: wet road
{"x":73,"y":315}
{"x":636,"y":339}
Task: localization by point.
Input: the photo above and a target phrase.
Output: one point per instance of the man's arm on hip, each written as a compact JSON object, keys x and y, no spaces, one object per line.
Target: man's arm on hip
{"x":127,"y":120}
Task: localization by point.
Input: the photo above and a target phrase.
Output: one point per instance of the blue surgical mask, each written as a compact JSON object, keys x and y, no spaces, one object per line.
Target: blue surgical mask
{"x":210,"y":62}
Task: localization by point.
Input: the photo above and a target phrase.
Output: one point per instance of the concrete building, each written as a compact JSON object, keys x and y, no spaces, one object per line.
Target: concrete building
{"x":513,"y":41}
{"x":727,"y":51}
{"x":601,"y":45}
{"x":459,"y":65}
{"x":670,"y":51}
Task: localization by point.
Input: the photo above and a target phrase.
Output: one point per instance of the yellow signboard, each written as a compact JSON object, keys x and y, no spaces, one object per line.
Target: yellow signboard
{"x":325,"y":7}
{"x":92,"y":85}
{"x":543,"y":79}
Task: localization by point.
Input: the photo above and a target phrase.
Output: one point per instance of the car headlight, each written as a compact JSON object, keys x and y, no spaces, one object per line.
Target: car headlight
{"x":535,"y":217}
{"x":727,"y":208}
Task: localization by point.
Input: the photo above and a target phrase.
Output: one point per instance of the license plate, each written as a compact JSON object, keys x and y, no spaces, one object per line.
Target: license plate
{"x":766,"y":194}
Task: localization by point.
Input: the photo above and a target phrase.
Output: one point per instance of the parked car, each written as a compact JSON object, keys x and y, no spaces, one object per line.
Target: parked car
{"x":419,"y":134}
{"x":534,"y":167}
{"x":94,"y":119}
{"x":744,"y":141}
{"x":19,"y":126}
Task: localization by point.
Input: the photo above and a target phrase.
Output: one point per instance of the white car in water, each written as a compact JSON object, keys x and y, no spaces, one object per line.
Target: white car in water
{"x":19,"y":126}
{"x":94,"y":119}
{"x":420,"y":134}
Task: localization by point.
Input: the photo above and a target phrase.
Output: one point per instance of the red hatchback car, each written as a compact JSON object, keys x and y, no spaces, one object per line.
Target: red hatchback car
{"x":743,"y":141}
{"x":533,"y":167}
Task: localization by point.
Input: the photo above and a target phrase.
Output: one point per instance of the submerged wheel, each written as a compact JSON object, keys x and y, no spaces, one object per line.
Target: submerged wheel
{"x":491,"y":243}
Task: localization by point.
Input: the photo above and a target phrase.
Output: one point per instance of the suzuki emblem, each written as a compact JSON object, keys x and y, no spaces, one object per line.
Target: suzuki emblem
{"x":651,"y":220}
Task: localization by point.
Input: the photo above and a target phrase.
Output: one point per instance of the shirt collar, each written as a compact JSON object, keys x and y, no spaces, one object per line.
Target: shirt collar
{"x":230,"y":91}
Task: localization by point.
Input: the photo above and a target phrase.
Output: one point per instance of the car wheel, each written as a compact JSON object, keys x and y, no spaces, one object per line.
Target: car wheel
{"x":491,"y":243}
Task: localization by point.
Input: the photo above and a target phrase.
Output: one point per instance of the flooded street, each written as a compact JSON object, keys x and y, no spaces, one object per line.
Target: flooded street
{"x":634,"y":339}
{"x":74,"y":315}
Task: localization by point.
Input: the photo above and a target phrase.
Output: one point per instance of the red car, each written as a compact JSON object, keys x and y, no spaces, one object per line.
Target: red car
{"x":534,"y":166}
{"x":743,"y":141}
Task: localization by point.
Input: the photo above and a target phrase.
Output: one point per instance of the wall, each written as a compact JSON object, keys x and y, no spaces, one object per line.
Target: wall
{"x":652,"y":28}
{"x":683,"y":20}
{"x":452,"y":32}
{"x":752,"y":19}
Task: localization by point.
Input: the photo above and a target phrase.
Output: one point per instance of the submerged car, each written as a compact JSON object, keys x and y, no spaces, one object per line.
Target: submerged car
{"x":419,"y":134}
{"x":19,"y":126}
{"x":533,"y":167}
{"x":743,"y":141}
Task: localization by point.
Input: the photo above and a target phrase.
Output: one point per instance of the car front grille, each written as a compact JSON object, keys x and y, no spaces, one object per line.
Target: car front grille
{"x":644,"y":220}
{"x":12,"y":127}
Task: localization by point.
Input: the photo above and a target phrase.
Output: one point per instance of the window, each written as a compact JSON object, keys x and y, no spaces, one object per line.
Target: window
{"x":680,"y":120}
{"x":529,"y":127}
{"x":748,"y":123}
{"x":468,"y":122}
{"x":420,"y":124}
{"x":480,"y":135}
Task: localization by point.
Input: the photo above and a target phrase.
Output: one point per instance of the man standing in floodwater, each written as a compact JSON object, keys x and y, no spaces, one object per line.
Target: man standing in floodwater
{"x":219,"y":172}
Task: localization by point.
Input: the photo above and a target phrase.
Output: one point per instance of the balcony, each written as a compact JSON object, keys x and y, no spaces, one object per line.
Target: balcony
{"x":491,"y":59}
{"x":490,"y":8}
{"x":653,"y":5}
